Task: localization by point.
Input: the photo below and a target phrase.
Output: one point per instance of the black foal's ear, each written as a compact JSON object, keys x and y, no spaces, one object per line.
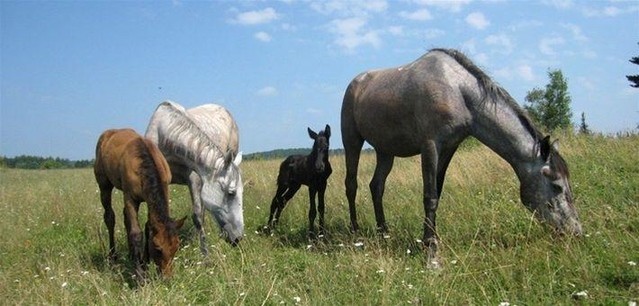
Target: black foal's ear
{"x":327,"y":131}
{"x":544,"y":148}
{"x":312,"y":134}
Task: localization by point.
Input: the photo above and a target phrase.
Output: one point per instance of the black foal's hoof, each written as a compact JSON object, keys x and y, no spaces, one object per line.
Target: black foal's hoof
{"x":265,"y":230}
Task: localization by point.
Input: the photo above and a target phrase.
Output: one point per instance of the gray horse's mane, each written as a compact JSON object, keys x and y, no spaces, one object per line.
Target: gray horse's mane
{"x":492,"y":91}
{"x":185,"y":139}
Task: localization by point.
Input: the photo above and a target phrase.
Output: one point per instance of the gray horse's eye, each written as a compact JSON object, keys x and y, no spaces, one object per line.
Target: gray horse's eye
{"x":557,"y":188}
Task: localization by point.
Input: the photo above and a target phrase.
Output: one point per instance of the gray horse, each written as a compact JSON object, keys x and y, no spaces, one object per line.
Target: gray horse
{"x":201,"y":147}
{"x":429,"y":107}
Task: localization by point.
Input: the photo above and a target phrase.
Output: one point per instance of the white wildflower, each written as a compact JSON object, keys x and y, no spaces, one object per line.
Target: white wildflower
{"x":380,"y":271}
{"x":47,"y":269}
{"x":359,"y":244}
{"x":297,"y":299}
{"x":504,"y":304}
{"x":84,"y":272}
{"x":453,"y":262}
{"x":580,"y":295}
{"x":65,"y":284}
{"x":408,"y":251}
{"x":632,"y":263}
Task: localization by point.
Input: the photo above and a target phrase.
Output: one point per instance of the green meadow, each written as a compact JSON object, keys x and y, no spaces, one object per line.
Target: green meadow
{"x":54,"y":241}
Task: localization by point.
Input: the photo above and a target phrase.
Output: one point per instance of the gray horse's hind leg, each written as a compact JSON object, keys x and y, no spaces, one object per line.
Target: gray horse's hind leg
{"x":195,"y":188}
{"x":377,"y":186}
{"x":353,"y":143}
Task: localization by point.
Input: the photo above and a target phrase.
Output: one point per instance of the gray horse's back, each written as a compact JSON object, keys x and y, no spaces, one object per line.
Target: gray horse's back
{"x":397,"y":109}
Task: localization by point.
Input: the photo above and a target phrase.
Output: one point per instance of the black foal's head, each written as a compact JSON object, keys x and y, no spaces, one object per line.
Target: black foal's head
{"x":320,"y":148}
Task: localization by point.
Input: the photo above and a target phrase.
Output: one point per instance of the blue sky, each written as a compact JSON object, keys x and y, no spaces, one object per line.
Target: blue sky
{"x":71,"y":69}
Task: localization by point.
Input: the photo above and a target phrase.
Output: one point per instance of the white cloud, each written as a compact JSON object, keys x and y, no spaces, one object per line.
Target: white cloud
{"x":418,"y":15}
{"x":267,"y":91}
{"x":263,"y":36}
{"x":560,"y":4}
{"x":576,"y":32}
{"x":352,"y":34}
{"x":449,"y":5}
{"x":609,"y":11}
{"x":546,"y":45}
{"x":396,"y":30}
{"x":256,"y":17}
{"x":526,"y":72}
{"x":477,"y":20}
{"x":433,"y":33}
{"x":501,"y":41}
{"x":350,"y":8}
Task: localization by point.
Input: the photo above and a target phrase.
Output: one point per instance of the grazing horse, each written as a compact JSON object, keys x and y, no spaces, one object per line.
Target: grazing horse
{"x":201,"y":147}
{"x":429,"y":107}
{"x":311,"y":170}
{"x":126,"y":161}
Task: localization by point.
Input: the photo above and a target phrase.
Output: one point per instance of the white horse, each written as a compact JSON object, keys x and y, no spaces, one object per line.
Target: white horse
{"x":201,"y":146}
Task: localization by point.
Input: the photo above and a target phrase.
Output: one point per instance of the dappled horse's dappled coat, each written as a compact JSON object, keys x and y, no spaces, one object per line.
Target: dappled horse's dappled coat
{"x":201,"y":147}
{"x":429,"y":107}
{"x":130,"y":163}
{"x":312,"y":170}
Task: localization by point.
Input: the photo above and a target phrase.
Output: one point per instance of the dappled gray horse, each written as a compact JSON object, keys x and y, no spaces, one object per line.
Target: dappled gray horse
{"x":429,"y":107}
{"x":201,"y":147}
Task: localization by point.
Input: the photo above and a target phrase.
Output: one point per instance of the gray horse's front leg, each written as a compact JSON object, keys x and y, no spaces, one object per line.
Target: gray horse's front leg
{"x":377,"y":186}
{"x":431,"y":201}
{"x":195,"y":188}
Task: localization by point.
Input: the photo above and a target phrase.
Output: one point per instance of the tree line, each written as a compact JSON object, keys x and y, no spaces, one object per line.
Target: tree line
{"x":37,"y":162}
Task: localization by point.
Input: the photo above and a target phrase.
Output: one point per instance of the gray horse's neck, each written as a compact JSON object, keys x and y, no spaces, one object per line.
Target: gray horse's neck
{"x":502,"y":128}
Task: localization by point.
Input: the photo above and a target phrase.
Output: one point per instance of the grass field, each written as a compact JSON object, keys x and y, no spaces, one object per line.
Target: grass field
{"x":53,"y":244}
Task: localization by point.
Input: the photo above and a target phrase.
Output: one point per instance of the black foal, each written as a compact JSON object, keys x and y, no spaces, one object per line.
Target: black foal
{"x":311,"y":170}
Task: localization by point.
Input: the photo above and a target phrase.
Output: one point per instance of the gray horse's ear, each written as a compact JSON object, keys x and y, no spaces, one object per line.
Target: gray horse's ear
{"x":312,"y":134}
{"x":327,"y":131}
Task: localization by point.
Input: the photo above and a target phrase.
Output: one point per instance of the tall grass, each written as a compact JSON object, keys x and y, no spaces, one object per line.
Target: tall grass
{"x":53,"y":247}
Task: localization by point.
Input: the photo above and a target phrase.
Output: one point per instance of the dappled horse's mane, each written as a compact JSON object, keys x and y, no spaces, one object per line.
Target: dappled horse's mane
{"x":151,"y":181}
{"x":492,"y":91}
{"x":186,"y":139}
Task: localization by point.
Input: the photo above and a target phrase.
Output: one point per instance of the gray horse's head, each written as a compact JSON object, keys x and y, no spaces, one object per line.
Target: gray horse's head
{"x":222,"y":195}
{"x":546,"y":191}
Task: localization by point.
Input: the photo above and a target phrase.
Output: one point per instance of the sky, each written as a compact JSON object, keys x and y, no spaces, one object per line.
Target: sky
{"x":71,"y":69}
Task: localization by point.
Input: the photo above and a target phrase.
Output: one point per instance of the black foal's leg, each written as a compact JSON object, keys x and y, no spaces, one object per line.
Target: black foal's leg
{"x":292,"y":189}
{"x":320,"y":206}
{"x":276,"y":205}
{"x":312,"y":211}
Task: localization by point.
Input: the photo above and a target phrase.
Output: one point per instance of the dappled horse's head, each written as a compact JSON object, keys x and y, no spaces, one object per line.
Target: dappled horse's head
{"x":319,"y":153}
{"x":222,"y":195}
{"x":162,"y":243}
{"x":547,"y":193}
